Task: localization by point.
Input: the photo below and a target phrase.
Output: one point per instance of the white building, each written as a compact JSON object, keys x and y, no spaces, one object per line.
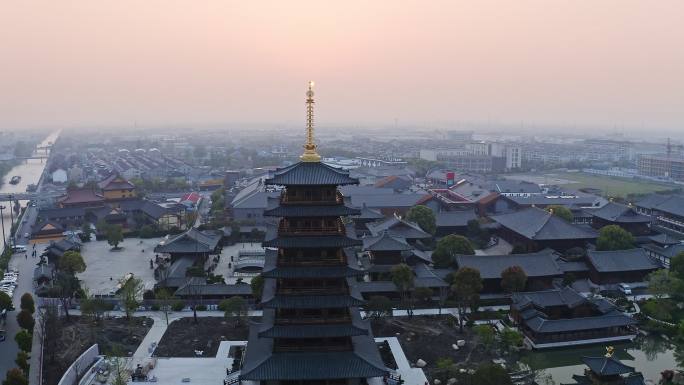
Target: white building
{"x":59,"y":176}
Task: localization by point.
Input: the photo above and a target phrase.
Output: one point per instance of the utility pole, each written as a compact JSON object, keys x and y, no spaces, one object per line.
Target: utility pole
{"x":2,"y":221}
{"x":11,"y":200}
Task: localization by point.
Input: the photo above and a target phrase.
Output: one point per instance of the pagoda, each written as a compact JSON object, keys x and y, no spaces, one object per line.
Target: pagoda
{"x":311,"y":330}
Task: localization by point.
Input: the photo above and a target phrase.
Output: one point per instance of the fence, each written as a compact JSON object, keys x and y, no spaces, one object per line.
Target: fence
{"x":80,"y":366}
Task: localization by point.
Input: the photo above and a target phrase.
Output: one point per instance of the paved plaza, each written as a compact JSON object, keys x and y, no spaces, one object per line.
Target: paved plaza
{"x":104,"y":267}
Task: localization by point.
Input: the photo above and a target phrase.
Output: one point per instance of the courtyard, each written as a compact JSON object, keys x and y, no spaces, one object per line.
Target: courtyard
{"x":106,"y":267}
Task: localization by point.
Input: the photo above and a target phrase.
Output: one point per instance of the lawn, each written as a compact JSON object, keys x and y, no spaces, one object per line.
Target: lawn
{"x":611,"y":186}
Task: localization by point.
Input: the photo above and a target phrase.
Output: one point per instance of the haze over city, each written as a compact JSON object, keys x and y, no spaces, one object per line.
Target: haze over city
{"x":612,"y":64}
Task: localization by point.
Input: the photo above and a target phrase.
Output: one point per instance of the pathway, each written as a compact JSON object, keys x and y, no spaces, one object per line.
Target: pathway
{"x":411,"y":376}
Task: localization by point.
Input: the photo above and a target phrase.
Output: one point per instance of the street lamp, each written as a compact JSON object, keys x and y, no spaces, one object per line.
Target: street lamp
{"x":2,"y":221}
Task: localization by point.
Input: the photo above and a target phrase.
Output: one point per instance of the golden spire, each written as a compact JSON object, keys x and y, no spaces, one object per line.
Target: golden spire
{"x":310,"y":154}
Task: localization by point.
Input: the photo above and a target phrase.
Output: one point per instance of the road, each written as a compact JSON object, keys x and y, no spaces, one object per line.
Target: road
{"x":8,"y":348}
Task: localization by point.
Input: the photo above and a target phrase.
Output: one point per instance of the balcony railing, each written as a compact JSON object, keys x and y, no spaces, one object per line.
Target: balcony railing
{"x":310,"y":261}
{"x":297,"y":347}
{"x":296,"y":320}
{"x":285,"y":228}
{"x":314,"y":199}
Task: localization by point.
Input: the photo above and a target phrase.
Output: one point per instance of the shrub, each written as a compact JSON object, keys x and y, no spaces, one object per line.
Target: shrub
{"x":25,"y":320}
{"x":155,"y":307}
{"x":148,"y":294}
{"x":27,"y":303}
{"x":24,"y":340}
{"x":201,"y":307}
{"x":178,"y":305}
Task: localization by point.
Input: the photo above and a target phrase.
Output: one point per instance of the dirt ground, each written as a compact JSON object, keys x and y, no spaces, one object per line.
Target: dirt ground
{"x":112,"y":334}
{"x":183,"y":337}
{"x":430,"y":338}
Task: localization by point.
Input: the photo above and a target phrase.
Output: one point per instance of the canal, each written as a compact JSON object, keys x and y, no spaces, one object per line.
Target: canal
{"x":649,"y":355}
{"x":30,"y":172}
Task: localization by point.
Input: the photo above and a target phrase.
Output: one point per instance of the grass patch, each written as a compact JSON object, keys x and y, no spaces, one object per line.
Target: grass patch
{"x":613,"y":186}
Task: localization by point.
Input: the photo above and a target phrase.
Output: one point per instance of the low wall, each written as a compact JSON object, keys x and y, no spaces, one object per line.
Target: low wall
{"x":80,"y":366}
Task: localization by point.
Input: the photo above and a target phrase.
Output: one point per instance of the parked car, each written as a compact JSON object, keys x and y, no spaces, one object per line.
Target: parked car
{"x":625,"y":289}
{"x":19,"y":248}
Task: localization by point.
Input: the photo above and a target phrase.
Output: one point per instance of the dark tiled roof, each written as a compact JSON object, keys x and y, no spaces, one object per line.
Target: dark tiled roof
{"x":191,"y":241}
{"x":312,"y":272}
{"x":455,"y":218}
{"x":548,"y":298}
{"x":537,"y":224}
{"x":665,"y":239}
{"x":673,"y":205}
{"x":541,"y":264}
{"x":311,"y":173}
{"x":309,"y":242}
{"x":614,"y":212}
{"x":668,"y":252}
{"x":387,"y":200}
{"x":312,"y":211}
{"x":621,"y":260}
{"x":385,"y":242}
{"x":82,"y":195}
{"x":314,"y":365}
{"x":653,"y":200}
{"x":306,"y":331}
{"x":399,"y":228}
{"x":606,"y":366}
{"x":312,"y":301}
{"x":542,"y":325}
{"x":115,"y":182}
{"x":367,"y":213}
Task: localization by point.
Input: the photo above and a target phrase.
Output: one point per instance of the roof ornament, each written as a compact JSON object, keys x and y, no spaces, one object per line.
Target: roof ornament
{"x":609,"y":351}
{"x":310,"y":154}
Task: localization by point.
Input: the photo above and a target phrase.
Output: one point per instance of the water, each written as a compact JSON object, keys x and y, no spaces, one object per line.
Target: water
{"x":649,"y":355}
{"x":30,"y":172}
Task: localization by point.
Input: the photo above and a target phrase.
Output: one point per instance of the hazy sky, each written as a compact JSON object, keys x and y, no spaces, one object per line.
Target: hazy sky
{"x":80,"y":63}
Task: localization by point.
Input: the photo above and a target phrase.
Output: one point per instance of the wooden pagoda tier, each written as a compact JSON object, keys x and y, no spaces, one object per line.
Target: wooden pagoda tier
{"x":311,"y":331}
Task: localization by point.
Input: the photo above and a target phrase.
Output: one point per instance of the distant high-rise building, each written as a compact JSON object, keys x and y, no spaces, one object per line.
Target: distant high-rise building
{"x":662,"y":166}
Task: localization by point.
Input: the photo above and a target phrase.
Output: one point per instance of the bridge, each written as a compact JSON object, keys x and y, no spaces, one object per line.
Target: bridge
{"x":22,"y":196}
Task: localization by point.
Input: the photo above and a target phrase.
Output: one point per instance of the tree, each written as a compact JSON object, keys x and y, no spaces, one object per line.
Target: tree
{"x":491,"y":374}
{"x":130,"y":295}
{"x":15,"y":377}
{"x":424,"y":217}
{"x":511,"y":338}
{"x":25,"y":320}
{"x":72,"y":262}
{"x":677,"y":265}
{"x":402,"y":277}
{"x":114,"y":235}
{"x":48,"y":329}
{"x":27,"y":303}
{"x":513,"y":279}
{"x":86,"y":232}
{"x":66,"y":285}
{"x":485,"y":333}
{"x":662,"y":282}
{"x":24,"y":340}
{"x":379,"y":306}
{"x":448,"y":247}
{"x":257,"y":285}
{"x":234,"y":308}
{"x":22,"y":362}
{"x":561,"y":212}
{"x":614,"y":237}
{"x":423,"y":294}
{"x":164,"y":298}
{"x":5,"y":301}
{"x":466,"y":287}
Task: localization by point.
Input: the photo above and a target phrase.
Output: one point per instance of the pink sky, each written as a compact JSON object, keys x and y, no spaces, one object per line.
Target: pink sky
{"x":80,"y":63}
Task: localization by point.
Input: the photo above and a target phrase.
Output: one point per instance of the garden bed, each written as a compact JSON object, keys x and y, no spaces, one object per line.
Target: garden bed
{"x":183,"y":336}
{"x":431,"y":338}
{"x":74,"y":337}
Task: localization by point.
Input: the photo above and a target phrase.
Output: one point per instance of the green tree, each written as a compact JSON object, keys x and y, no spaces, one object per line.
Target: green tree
{"x":86,"y":232}
{"x":663,"y":283}
{"x":22,"y":362}
{"x":486,"y":335}
{"x":561,"y":212}
{"x":27,"y":303}
{"x":423,"y":294}
{"x":130,"y":295}
{"x":5,"y":301}
{"x":677,"y":265}
{"x":402,"y":277}
{"x":72,"y":262}
{"x":379,"y":306}
{"x":15,"y":377}
{"x":25,"y":320}
{"x":614,"y":237}
{"x":466,"y":287}
{"x":491,"y":374}
{"x":114,"y":235}
{"x":511,"y":338}
{"x":257,"y":285}
{"x":424,"y":217}
{"x":24,"y":340}
{"x":234,"y":308}
{"x":513,"y":279}
{"x":448,"y":247}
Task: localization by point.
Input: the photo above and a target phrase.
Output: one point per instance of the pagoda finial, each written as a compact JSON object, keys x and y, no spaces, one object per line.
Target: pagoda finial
{"x":609,"y":351}
{"x":310,"y":154}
